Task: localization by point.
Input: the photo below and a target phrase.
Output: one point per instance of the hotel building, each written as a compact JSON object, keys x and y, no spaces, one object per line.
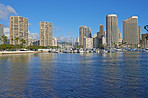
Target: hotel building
{"x":88,"y":43}
{"x":46,"y":30}
{"x":112,"y":30}
{"x":101,"y":36}
{"x":130,"y":31}
{"x":84,"y":32}
{"x":18,"y":29}
{"x":144,"y":41}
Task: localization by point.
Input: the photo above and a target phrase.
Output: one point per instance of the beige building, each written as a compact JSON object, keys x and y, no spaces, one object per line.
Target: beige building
{"x":112,"y":30}
{"x":30,"y":42}
{"x":54,"y":41}
{"x":120,"y":38}
{"x":88,"y":43}
{"x":144,"y":41}
{"x":139,"y":33}
{"x":84,"y":31}
{"x":46,"y":30}
{"x":77,"y":39}
{"x":18,"y":29}
{"x":101,"y":36}
{"x":130,"y":31}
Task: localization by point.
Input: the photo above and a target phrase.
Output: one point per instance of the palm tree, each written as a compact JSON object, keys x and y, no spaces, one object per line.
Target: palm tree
{"x":0,"y":39}
{"x":16,"y":39}
{"x":146,"y":37}
{"x":22,"y":41}
{"x":146,"y":27}
{"x":12,"y":40}
{"x":4,"y":38}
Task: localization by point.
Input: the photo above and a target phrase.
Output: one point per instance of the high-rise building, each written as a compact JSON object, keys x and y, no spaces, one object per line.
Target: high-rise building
{"x":144,"y":41}
{"x":18,"y":29}
{"x":139,"y":33}
{"x":84,"y":32}
{"x":30,"y":41}
{"x":1,"y":32}
{"x":77,"y":42}
{"x":112,"y":30}
{"x":101,"y":36}
{"x":130,"y":31}
{"x":119,"y":37}
{"x":88,"y":43}
{"x":95,"y":41}
{"x":54,"y":41}
{"x":77,"y":39}
{"x":104,"y":39}
{"x":46,"y":34}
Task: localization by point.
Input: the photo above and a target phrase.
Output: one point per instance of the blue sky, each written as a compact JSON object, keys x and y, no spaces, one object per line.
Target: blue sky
{"x":69,"y":15}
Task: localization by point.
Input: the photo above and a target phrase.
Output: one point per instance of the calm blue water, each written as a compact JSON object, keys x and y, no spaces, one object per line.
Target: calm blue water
{"x":74,"y":75}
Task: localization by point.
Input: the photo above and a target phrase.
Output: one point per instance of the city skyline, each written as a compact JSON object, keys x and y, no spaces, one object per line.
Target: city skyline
{"x":69,"y":20}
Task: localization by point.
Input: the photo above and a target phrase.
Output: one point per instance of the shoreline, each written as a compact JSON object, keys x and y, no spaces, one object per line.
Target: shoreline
{"x":27,"y":52}
{"x":18,"y":52}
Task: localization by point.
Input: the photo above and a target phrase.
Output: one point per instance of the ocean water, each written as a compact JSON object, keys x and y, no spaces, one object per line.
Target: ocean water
{"x":47,"y":75}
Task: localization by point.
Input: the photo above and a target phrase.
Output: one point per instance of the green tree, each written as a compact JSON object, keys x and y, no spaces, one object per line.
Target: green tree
{"x":101,"y":46}
{"x":4,"y":38}
{"x":0,"y":39}
{"x":23,"y":41}
{"x":17,"y":39}
{"x":12,"y":39}
{"x":146,"y":27}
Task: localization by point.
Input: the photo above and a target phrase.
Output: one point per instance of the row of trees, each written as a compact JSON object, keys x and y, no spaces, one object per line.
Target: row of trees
{"x":17,"y":39}
{"x":10,"y":47}
{"x":4,"y":39}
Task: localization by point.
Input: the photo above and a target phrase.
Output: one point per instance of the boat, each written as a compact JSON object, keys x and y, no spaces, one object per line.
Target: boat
{"x":145,"y":50}
{"x":75,"y":51}
{"x":81,"y":50}
{"x":66,"y":51}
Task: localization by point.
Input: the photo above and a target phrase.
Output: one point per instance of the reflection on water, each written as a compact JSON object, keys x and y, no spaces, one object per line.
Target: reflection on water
{"x":74,"y":75}
{"x":46,"y":58}
{"x":14,"y":74}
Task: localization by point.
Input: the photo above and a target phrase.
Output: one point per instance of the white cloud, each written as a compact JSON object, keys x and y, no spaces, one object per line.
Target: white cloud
{"x":6,"y":29}
{"x":7,"y":32}
{"x":34,"y":35}
{"x":65,"y":39}
{"x":5,"y":11}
